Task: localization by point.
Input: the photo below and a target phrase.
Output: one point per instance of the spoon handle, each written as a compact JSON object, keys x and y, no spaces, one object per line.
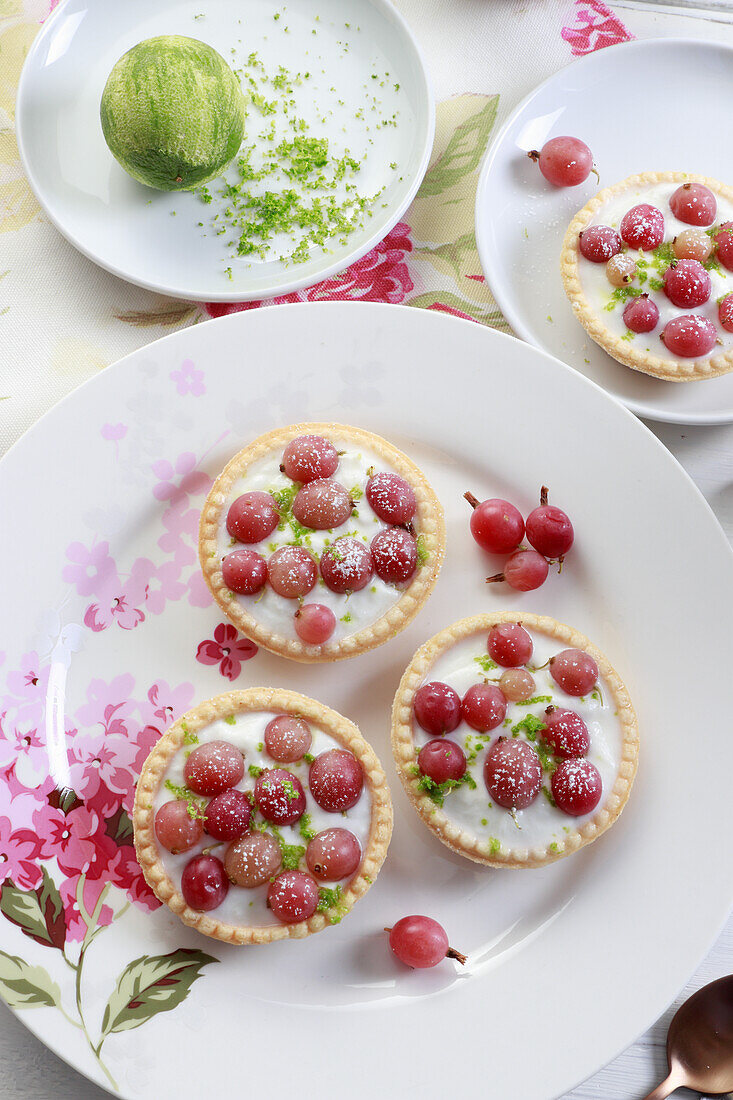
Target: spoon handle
{"x":674,"y":1081}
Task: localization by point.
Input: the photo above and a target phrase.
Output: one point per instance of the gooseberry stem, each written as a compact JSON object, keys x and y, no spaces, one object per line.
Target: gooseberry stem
{"x":472,"y":500}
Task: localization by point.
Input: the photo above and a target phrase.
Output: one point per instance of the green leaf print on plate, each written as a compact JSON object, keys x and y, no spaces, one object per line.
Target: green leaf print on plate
{"x":38,"y":913}
{"x":26,"y":986}
{"x":152,"y":984}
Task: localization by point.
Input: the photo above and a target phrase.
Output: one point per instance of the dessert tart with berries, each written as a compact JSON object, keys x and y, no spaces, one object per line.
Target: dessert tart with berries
{"x":516,"y":741}
{"x":261,"y":815}
{"x":648,"y":267}
{"x":319,"y":541}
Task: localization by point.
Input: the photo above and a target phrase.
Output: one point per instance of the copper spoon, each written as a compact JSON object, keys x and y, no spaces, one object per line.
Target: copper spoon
{"x":700,"y":1043}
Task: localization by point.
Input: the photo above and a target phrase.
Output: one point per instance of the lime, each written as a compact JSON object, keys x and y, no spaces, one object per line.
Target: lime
{"x":172,"y":112}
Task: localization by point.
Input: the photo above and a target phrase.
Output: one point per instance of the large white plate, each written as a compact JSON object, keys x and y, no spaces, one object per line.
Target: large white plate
{"x":521,"y":219}
{"x":355,"y":50}
{"x":568,"y":964}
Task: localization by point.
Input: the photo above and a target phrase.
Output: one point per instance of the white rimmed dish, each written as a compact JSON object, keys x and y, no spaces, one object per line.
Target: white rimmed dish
{"x":126,"y":227}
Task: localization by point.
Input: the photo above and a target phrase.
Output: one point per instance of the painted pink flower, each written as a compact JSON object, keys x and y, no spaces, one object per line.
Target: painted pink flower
{"x":192,"y":481}
{"x":124,"y":871}
{"x":75,"y":925}
{"x":19,"y":851}
{"x":22,"y":745}
{"x":227,"y":650}
{"x":18,"y":803}
{"x":596,"y":26}
{"x":188,"y":379}
{"x":91,"y":569}
{"x":28,"y":684}
{"x":198,"y":592}
{"x":68,"y":838}
{"x":119,"y":603}
{"x":113,"y":432}
{"x":159,"y":582}
{"x":380,"y":276}
{"x":164,"y":703}
{"x":180,"y":522}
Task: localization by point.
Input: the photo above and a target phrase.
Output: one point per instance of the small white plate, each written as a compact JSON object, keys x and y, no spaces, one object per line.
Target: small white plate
{"x":648,"y":106}
{"x":568,"y":964}
{"x":355,"y":50}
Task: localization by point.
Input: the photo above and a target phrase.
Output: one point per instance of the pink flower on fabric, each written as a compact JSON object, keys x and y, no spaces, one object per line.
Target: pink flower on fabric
{"x":227,"y":650}
{"x":192,"y":481}
{"x":440,"y":308}
{"x":596,"y":27}
{"x":91,"y":568}
{"x":222,"y":309}
{"x":188,"y":379}
{"x":68,"y":838}
{"x":19,"y":851}
{"x":75,"y":927}
{"x":380,"y":276}
{"x":113,"y":432}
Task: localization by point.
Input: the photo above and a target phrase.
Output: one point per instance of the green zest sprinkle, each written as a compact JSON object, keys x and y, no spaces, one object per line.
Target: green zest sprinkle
{"x":292,"y":855}
{"x":438,"y":791}
{"x":346,"y":618}
{"x":254,"y":771}
{"x":194,"y":807}
{"x":422,"y":554}
{"x":622,"y":294}
{"x":230,"y":720}
{"x":188,"y":737}
{"x":554,"y":847}
{"x":289,"y":789}
{"x":305,"y":827}
{"x":530,"y":726}
{"x":486,"y":663}
{"x":535,"y":699}
{"x":547,"y":759}
{"x":548,"y":795}
{"x":308,"y":757}
{"x":329,"y":902}
{"x":494,"y":846}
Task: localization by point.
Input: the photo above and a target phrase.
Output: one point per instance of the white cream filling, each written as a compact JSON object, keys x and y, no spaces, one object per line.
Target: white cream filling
{"x":353,"y":611}
{"x":244,"y":906}
{"x":541,"y":823}
{"x":598,"y":289}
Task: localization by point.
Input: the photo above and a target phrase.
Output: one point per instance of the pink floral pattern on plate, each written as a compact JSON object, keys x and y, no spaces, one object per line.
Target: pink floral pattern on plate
{"x":227,"y":650}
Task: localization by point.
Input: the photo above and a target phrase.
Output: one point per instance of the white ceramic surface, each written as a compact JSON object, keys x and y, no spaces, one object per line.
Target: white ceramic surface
{"x":126,"y":227}
{"x":586,"y":943}
{"x":649,"y":105}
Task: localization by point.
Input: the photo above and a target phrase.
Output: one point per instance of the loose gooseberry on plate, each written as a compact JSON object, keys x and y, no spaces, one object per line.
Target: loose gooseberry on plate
{"x":566,"y":732}
{"x":253,"y":860}
{"x":441,"y":760}
{"x":524,"y":570}
{"x":724,"y":245}
{"x":692,"y":244}
{"x":335,"y":780}
{"x":227,"y":815}
{"x":599,"y":243}
{"x":643,"y":227}
{"x":576,"y":787}
{"x":292,"y":572}
{"x":346,"y":565}
{"x":484,"y":707}
{"x":287,"y":738}
{"x":574,"y":671}
{"x":308,"y":458}
{"x":512,"y":773}
{"x":725,"y":313}
{"x":510,"y":645}
{"x":694,"y":204}
{"x":213,"y":767}
{"x":517,"y":684}
{"x":420,"y":942}
{"x":689,"y":336}
{"x":391,"y":498}
{"x":496,"y":525}
{"x":549,"y":529}
{"x":687,"y":284}
{"x":322,"y":505}
{"x":437,"y":707}
{"x":279,"y":796}
{"x":564,"y":161}
{"x":641,"y":314}
{"x":394,"y":554}
{"x":204,"y":883}
{"x":314,"y":623}
{"x":252,"y":517}
{"x":620,"y":270}
{"x":333,"y":854}
{"x":293,"y":896}
{"x":244,"y":571}
{"x":175,"y":828}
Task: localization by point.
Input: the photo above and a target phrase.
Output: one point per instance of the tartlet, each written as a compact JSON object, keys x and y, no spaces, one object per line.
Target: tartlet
{"x":599,"y":305}
{"x":380,"y":571}
{"x":464,"y":812}
{"x":285,"y":800}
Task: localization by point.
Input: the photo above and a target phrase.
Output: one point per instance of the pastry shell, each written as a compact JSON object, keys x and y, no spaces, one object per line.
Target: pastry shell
{"x":439,"y":822}
{"x":237,"y":702}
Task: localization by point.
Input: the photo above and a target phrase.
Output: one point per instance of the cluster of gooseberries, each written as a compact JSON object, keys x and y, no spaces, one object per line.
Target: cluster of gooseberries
{"x":686,"y":282}
{"x":321,"y":503}
{"x":253,"y":857}
{"x":499,"y":527}
{"x":512,"y":768}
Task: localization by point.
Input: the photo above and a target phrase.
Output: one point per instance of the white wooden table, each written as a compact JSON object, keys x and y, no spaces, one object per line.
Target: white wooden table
{"x":30,"y":1072}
